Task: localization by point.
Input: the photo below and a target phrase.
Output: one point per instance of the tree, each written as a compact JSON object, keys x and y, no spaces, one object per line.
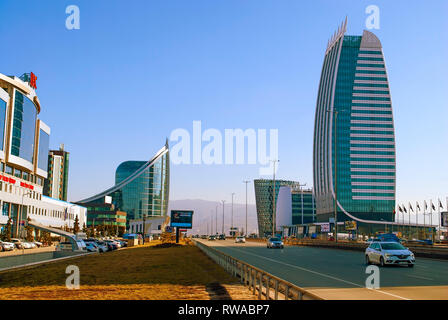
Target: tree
{"x":84,"y":228}
{"x":46,"y":238}
{"x":76,"y":225}
{"x":29,"y":231}
{"x":6,"y":234}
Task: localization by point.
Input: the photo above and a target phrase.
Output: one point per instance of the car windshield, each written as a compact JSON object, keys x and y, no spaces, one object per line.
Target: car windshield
{"x":274,"y":239}
{"x":392,"y":246}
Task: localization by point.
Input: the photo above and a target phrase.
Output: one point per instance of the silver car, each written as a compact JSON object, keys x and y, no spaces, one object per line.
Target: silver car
{"x":275,"y":243}
{"x":240,"y":239}
{"x":384,"y":253}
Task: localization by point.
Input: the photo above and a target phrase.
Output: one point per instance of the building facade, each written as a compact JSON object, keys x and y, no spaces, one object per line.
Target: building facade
{"x":303,"y":206}
{"x":24,"y":144}
{"x":354,"y":105}
{"x":141,"y":189}
{"x":105,"y":214}
{"x":265,"y":191}
{"x":295,"y":206}
{"x":56,"y":185}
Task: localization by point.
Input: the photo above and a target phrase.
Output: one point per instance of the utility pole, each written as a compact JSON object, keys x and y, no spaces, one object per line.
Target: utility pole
{"x":273,"y":199}
{"x":223,"y":202}
{"x":245,"y":230}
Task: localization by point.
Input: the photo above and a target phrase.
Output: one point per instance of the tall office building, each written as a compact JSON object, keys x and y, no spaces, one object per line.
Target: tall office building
{"x":141,"y":189}
{"x":265,"y":190}
{"x":24,"y":144}
{"x":354,"y":105}
{"x":57,"y":183}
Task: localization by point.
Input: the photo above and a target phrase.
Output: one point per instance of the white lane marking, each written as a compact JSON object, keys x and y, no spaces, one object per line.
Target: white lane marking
{"x":418,"y":277}
{"x":318,"y":273}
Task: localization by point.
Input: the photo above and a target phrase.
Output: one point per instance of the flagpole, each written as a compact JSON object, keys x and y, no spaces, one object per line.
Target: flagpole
{"x":440,"y":217}
{"x":409,"y":213}
{"x":432,"y":231}
{"x":424,"y":219}
{"x":416,"y":217}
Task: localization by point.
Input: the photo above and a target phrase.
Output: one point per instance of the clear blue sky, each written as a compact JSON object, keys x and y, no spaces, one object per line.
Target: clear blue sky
{"x":115,"y":89}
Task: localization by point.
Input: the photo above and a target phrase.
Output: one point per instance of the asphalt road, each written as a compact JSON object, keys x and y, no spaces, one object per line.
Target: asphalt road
{"x":341,"y":274}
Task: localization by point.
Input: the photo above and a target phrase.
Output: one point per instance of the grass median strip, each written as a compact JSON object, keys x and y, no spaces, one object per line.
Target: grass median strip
{"x":147,"y":272}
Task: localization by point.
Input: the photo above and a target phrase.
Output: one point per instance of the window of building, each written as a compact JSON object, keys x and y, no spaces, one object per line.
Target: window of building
{"x":44,"y":145}
{"x":18,"y":173}
{"x":8,"y":170}
{"x":2,"y":167}
{"x":26,"y":176}
{"x":2,"y":123}
{"x":5,"y":209}
{"x":39,"y":181}
{"x":24,"y":124}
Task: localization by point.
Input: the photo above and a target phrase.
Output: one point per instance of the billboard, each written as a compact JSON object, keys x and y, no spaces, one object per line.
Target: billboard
{"x":350,"y":225}
{"x":325,"y":227}
{"x":312,"y":229}
{"x":444,"y":222}
{"x":182,"y":218}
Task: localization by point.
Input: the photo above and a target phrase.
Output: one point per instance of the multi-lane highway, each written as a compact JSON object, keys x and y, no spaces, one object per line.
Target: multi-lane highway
{"x":341,"y":274}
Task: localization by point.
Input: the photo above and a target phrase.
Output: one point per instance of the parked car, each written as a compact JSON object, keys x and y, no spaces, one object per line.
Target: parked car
{"x":38,"y":244}
{"x":102,"y":246}
{"x":384,"y":253}
{"x":6,"y":246}
{"x":91,"y":247}
{"x":240,"y":239}
{"x":111,"y":245}
{"x":17,"y":243}
{"x":210,"y":238}
{"x":274,"y":243}
{"x":27,"y":245}
{"x":222,"y":237}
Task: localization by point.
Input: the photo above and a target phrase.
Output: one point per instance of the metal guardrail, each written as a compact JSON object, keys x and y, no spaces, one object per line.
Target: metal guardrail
{"x":261,"y":283}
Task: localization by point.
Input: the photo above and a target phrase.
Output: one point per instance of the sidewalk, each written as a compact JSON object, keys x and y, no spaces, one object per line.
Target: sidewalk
{"x":26,"y":251}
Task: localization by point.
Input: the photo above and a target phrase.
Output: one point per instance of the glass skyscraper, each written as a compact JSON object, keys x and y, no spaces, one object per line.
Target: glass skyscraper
{"x":141,"y":188}
{"x":354,"y":104}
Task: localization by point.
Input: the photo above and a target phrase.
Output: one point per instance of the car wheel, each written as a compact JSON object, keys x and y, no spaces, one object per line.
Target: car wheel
{"x":381,"y":262}
{"x":411,"y":265}
{"x":368,"y":260}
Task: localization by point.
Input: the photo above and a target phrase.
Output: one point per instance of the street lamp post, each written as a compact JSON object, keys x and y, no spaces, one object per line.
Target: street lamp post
{"x":144,"y":222}
{"x":301,"y":193}
{"x":335,"y":112}
{"x":273,"y":199}
{"x":231,"y":223}
{"x":216,"y":220}
{"x":223,"y":202}
{"x":20,"y":227}
{"x":246,"y":182}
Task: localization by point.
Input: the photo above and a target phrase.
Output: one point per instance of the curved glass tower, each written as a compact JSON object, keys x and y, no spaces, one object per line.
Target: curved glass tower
{"x":354,"y":103}
{"x":141,"y":188}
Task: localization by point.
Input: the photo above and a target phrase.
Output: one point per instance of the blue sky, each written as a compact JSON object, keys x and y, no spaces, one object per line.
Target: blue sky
{"x":136,"y":70}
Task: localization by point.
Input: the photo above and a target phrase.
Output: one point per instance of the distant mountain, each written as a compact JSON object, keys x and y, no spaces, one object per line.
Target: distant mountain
{"x":205,"y":212}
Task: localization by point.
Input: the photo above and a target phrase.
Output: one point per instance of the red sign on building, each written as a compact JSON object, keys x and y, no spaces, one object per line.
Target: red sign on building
{"x":33,"y":80}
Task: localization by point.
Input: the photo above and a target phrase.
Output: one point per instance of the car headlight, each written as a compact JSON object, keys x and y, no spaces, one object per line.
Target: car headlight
{"x":387,"y":255}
